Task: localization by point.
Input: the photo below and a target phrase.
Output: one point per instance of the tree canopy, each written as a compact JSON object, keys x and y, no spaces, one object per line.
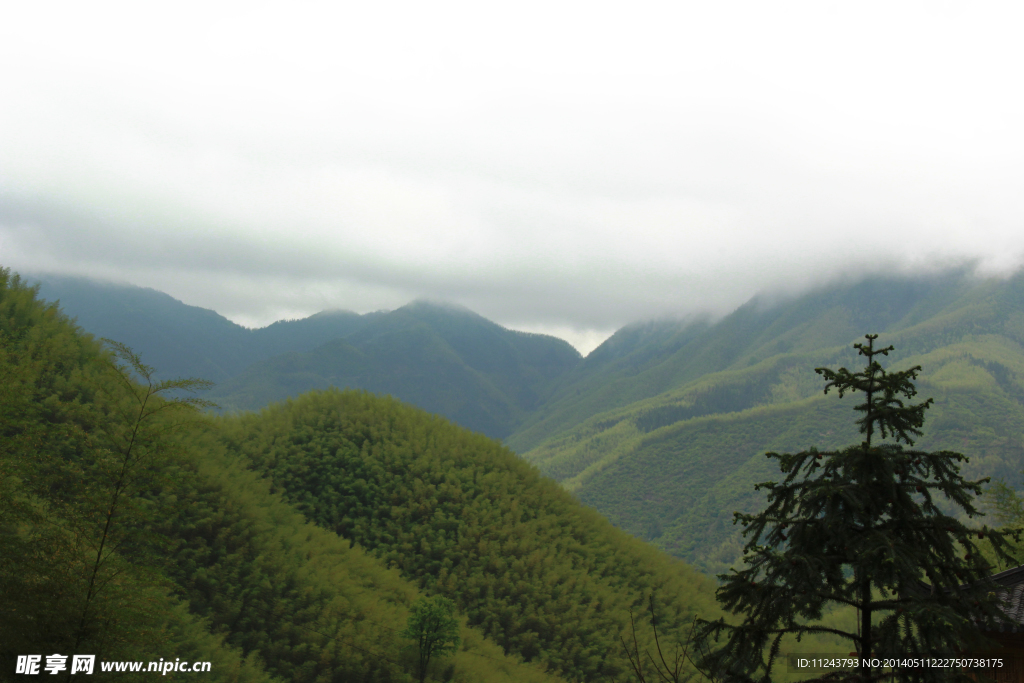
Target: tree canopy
{"x":434,"y":628}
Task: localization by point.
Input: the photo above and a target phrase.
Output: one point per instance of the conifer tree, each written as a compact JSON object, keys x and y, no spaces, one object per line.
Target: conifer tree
{"x":861,"y":527}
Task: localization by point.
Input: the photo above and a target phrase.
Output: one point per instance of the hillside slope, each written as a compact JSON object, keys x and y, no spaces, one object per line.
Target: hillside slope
{"x":537,"y":572}
{"x":672,"y":466}
{"x":644,"y":360}
{"x":442,"y":359}
{"x":181,"y":340}
{"x":162,"y":545}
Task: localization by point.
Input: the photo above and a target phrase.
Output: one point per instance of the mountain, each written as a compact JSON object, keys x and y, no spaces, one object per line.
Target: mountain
{"x":181,"y":340}
{"x":443,"y":359}
{"x":290,"y":544}
{"x":644,"y":360}
{"x":663,"y":429}
{"x":543,"y":576}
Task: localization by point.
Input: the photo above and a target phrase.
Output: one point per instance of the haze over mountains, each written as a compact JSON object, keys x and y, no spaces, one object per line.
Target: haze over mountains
{"x":663,"y":427}
{"x":599,"y":173}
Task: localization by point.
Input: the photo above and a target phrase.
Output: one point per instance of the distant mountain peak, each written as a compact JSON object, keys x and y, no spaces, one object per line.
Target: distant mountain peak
{"x":438,"y":305}
{"x":334,"y":313}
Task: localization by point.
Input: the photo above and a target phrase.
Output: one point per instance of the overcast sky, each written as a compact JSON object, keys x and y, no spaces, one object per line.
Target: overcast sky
{"x":558,"y":167}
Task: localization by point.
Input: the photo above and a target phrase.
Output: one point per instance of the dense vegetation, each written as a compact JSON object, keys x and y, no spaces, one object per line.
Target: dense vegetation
{"x":673,"y":466}
{"x":201,"y":561}
{"x":661,"y":427}
{"x":59,"y":402}
{"x":290,"y":545}
{"x":310,"y":605}
{"x":541,"y":575}
{"x":443,"y":359}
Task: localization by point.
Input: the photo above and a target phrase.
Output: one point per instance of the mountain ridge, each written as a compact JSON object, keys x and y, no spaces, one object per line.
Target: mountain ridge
{"x":640,"y":396}
{"x":622,"y":459}
{"x":440,"y":356}
{"x":294,"y":542}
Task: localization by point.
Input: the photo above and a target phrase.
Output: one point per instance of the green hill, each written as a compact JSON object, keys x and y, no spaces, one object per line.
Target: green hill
{"x":543,"y":576}
{"x":181,"y":340}
{"x":442,"y":359}
{"x":291,"y":543}
{"x":177,"y":551}
{"x":676,"y":446}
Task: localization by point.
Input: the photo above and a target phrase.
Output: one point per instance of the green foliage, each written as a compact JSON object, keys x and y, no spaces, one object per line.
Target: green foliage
{"x":434,"y":628}
{"x":544,"y":577}
{"x":677,"y":486}
{"x":860,"y":527}
{"x":442,"y":359}
{"x":128,"y":456}
{"x":117,"y":505}
{"x":59,"y":440}
{"x":888,"y":412}
{"x":676,"y":483}
{"x":312,"y":607}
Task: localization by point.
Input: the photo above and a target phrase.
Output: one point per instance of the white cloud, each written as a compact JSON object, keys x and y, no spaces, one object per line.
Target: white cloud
{"x":567,"y":166}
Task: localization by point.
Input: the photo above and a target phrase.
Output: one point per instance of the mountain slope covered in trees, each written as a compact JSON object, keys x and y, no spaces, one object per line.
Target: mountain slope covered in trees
{"x":672,"y":460}
{"x":290,"y":544}
{"x":543,"y":576}
{"x":193,"y":557}
{"x":661,"y":427}
{"x":644,"y":360}
{"x":441,"y":358}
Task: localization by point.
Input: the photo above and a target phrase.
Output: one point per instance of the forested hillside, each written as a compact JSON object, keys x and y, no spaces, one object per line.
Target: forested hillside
{"x":661,"y":428}
{"x":648,"y":359}
{"x":441,"y":358}
{"x":290,"y":545}
{"x":127,"y":532}
{"x":543,"y":576}
{"x":59,"y":416}
{"x":672,"y":460}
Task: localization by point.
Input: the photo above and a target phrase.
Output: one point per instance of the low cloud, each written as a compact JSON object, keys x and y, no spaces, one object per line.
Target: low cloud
{"x":575,"y":188}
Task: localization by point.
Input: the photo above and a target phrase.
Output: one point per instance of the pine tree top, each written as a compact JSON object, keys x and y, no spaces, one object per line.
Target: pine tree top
{"x":883,"y":408}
